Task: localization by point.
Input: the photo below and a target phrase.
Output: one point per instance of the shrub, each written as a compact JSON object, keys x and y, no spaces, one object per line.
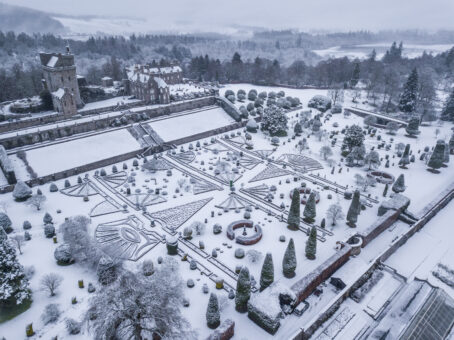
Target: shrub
{"x":50,"y":314}
{"x":21,"y":191}
{"x":72,"y":326}
{"x":5,"y":223}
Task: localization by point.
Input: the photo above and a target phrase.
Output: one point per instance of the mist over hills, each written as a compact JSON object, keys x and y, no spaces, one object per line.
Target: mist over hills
{"x":22,"y":19}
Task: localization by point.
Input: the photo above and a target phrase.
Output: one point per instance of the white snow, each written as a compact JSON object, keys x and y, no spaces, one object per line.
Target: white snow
{"x":59,"y":157}
{"x":187,"y":125}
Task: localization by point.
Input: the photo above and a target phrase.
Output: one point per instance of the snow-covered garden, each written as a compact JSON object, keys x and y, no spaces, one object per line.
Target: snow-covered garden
{"x":189,"y":236}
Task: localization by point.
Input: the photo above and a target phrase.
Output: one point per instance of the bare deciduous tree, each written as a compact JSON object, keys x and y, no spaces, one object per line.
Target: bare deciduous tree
{"x":18,"y":241}
{"x":334,"y":213}
{"x":325,"y":152}
{"x":50,"y":283}
{"x":138,"y":307}
{"x":36,"y":201}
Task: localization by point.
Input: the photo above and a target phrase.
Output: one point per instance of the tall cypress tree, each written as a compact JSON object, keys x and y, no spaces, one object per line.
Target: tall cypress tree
{"x":407,"y":102}
{"x":405,"y":157}
{"x":309,"y":210}
{"x":289,"y":261}
{"x":14,"y":285}
{"x":267,"y":274}
{"x":293,"y":220}
{"x":243,"y":290}
{"x":399,"y":184}
{"x":212,"y":315}
{"x":437,"y":157}
{"x":311,"y":244}
{"x":355,"y":76}
{"x":353,"y":211}
{"x":446,"y":154}
{"x":448,"y":109}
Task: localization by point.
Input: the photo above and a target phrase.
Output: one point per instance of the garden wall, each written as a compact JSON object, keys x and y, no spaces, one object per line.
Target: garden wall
{"x":75,"y":171}
{"x":305,"y":286}
{"x":425,"y":215}
{"x":56,"y":117}
{"x":380,"y":225}
{"x":209,"y":133}
{"x":99,"y":124}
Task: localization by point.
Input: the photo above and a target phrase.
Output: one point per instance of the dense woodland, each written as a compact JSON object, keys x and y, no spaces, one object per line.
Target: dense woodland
{"x":382,"y":79}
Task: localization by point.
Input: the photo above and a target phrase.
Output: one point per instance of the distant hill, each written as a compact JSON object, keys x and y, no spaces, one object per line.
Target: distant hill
{"x":21,"y":19}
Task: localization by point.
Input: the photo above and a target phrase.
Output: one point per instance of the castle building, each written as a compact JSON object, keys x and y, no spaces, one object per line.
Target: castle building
{"x":150,"y":84}
{"x":60,"y":79}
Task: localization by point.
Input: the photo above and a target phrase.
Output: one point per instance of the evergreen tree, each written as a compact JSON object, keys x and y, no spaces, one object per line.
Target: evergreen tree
{"x":213,"y":316}
{"x":405,"y":157}
{"x":354,"y":136}
{"x":14,"y":285}
{"x":309,"y":210}
{"x":399,"y":184}
{"x":274,"y":121}
{"x":355,"y":76}
{"x":353,"y":211}
{"x":408,"y":98}
{"x":289,"y":261}
{"x":243,"y":290}
{"x":451,"y":144}
{"x":448,"y":109}
{"x":413,"y":127}
{"x":446,"y":154}
{"x":267,"y":273}
{"x":437,"y":157}
{"x":311,"y":244}
{"x":297,"y":129}
{"x":293,"y":219}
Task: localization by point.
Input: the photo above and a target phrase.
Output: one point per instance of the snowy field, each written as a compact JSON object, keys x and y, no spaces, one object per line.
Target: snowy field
{"x":363,"y":51}
{"x":63,"y":156}
{"x":192,"y":184}
{"x":187,"y":125}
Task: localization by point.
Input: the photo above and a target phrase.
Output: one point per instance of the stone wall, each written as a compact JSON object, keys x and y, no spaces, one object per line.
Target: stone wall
{"x":425,"y":215}
{"x":209,"y":133}
{"x":99,"y":124}
{"x":380,"y":225}
{"x":225,"y":331}
{"x":53,"y":118}
{"x":75,"y":171}
{"x":305,"y":286}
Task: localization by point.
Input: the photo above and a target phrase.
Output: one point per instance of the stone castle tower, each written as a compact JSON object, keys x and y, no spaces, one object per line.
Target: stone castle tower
{"x":59,"y":76}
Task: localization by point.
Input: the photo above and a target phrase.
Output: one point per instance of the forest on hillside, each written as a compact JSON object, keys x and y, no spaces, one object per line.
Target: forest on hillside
{"x":259,"y":60}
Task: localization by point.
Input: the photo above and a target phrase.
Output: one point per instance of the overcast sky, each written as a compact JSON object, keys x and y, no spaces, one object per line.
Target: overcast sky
{"x":303,"y":14}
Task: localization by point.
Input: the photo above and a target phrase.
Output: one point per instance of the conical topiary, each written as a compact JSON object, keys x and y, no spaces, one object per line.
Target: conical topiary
{"x":293,"y":220}
{"x":353,"y":211}
{"x":267,"y":273}
{"x":213,"y":316}
{"x":437,"y":157}
{"x":399,"y":184}
{"x":289,"y":261}
{"x":309,"y":210}
{"x":243,"y":290}
{"x":311,"y":244}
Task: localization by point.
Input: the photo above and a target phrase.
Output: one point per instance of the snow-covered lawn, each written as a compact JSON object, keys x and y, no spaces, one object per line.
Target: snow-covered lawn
{"x":187,"y":125}
{"x":63,"y":156}
{"x":107,"y":103}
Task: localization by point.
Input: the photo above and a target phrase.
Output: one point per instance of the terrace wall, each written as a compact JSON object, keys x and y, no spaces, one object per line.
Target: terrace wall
{"x":305,"y":286}
{"x":98,"y":124}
